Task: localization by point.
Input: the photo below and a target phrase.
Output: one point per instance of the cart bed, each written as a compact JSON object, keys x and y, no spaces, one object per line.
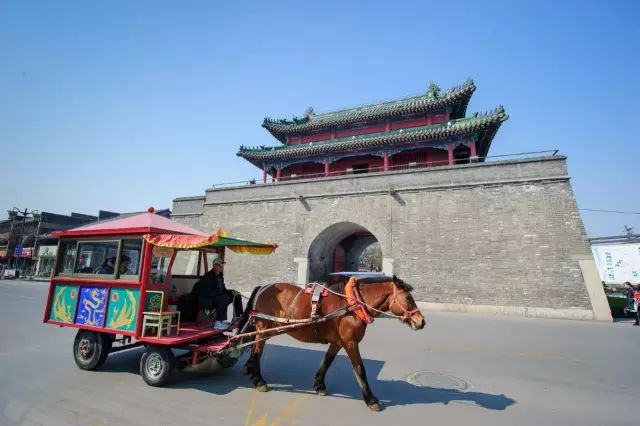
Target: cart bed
{"x":189,"y":332}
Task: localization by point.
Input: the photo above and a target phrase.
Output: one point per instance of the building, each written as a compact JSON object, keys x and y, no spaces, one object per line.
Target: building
{"x":428,"y":130}
{"x":405,"y":186}
{"x":26,"y":242}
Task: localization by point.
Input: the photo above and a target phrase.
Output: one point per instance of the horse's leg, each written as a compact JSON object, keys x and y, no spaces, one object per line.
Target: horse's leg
{"x":361,"y":376}
{"x":254,"y":364}
{"x":318,"y":382}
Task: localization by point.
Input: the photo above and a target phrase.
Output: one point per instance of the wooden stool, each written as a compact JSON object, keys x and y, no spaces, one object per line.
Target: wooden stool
{"x":162,"y":321}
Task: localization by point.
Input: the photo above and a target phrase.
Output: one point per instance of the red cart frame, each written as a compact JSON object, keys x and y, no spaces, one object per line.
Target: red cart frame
{"x":85,"y":294}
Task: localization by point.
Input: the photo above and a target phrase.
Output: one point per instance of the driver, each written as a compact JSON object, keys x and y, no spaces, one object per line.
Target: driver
{"x":213,"y":294}
{"x":109,"y":265}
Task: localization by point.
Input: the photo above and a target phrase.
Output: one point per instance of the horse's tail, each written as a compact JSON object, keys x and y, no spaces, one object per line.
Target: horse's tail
{"x":247,"y":312}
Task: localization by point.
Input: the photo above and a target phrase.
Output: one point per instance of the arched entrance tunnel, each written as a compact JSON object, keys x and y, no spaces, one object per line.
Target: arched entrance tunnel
{"x":343,"y":246}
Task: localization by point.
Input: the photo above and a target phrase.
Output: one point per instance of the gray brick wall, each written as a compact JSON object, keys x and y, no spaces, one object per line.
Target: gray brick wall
{"x":502,"y":233}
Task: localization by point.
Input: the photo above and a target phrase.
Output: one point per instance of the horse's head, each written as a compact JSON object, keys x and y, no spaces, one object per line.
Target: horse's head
{"x":401,"y":303}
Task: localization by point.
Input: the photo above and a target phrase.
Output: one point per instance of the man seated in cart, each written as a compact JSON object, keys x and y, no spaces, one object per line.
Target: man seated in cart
{"x":212,"y":296}
{"x":108,"y":266}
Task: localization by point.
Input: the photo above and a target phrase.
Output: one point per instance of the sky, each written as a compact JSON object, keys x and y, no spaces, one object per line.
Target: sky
{"x":122,"y":105}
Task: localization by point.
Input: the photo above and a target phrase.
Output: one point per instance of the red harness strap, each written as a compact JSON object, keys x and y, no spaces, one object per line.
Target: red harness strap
{"x":355,"y":301}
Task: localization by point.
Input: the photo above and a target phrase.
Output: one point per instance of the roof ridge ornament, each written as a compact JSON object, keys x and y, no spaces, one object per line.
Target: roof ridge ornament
{"x":309,"y":112}
{"x":434,"y":91}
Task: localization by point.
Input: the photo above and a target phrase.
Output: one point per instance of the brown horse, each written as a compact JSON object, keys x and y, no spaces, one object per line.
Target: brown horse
{"x":284,"y":300}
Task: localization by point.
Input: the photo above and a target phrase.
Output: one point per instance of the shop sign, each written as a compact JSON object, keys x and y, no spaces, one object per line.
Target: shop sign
{"x":47,"y":251}
{"x":26,"y":252}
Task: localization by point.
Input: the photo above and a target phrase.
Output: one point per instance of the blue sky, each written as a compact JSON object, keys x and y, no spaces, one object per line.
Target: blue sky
{"x":121,"y":105}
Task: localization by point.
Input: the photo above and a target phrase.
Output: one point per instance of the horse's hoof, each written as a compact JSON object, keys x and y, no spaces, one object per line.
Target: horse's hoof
{"x":375,"y":406}
{"x":321,"y":391}
{"x":262,"y":388}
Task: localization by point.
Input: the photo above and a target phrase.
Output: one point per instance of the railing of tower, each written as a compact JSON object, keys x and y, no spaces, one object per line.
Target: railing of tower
{"x":380,"y":169}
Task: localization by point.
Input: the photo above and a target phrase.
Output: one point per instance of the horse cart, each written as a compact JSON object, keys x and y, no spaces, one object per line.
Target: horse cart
{"x":117,"y":282}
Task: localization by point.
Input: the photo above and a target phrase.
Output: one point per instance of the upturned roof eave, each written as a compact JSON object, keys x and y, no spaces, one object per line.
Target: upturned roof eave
{"x":460,"y":95}
{"x":488,"y":124}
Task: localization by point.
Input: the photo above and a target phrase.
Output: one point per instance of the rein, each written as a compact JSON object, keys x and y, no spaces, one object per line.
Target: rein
{"x":406,"y":313}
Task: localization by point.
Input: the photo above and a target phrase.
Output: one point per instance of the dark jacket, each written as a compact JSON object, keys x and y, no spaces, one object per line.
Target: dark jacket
{"x":211,"y":291}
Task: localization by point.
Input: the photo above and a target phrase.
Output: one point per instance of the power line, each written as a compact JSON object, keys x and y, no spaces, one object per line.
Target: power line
{"x":608,"y":211}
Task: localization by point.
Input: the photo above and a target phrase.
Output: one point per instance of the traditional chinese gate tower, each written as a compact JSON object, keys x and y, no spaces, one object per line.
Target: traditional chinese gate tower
{"x":409,"y":178}
{"x":428,"y":130}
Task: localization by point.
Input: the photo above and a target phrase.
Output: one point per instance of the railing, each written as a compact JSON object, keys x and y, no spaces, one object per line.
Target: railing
{"x":390,"y":168}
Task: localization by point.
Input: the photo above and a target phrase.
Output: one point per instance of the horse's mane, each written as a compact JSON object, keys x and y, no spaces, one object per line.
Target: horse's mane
{"x":377,"y":280}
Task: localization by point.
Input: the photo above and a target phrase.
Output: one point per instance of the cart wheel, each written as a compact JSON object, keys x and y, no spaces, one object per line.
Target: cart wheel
{"x":88,"y":349}
{"x":107,"y":342}
{"x":156,"y":365}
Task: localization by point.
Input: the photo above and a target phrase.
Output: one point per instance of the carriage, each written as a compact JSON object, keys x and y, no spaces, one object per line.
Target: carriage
{"x":117,"y":282}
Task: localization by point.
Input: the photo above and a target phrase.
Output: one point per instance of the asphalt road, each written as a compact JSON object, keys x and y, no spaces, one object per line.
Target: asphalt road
{"x":461,"y":369}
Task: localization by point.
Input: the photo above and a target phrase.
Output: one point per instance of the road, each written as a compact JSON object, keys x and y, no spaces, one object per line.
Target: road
{"x":461,"y":369}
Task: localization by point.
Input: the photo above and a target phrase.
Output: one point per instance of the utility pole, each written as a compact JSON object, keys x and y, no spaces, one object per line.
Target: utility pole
{"x":38,"y":217}
{"x":14,"y":213}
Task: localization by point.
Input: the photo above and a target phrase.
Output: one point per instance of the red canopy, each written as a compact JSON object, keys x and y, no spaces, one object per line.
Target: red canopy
{"x":144,"y":223}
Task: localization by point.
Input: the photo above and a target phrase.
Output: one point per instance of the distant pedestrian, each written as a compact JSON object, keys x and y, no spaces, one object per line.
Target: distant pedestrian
{"x":636,"y":298}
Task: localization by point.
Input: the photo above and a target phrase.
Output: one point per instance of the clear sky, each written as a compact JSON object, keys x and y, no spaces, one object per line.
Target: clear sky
{"x":120,"y":105}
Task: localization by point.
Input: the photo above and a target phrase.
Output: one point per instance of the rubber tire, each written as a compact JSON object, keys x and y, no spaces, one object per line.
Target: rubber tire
{"x":107,"y":342}
{"x":96,"y":344}
{"x":165,"y":360}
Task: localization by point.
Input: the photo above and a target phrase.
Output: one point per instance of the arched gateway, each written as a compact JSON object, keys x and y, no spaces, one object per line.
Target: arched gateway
{"x":409,"y":179}
{"x":343,"y":246}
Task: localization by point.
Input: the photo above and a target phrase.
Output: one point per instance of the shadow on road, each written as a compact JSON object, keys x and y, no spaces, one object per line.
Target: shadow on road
{"x":290,"y":369}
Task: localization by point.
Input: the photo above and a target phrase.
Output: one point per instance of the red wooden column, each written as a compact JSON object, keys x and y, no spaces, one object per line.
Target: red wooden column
{"x":472,"y":148}
{"x":450,"y":152}
{"x":427,"y":158}
{"x":278,"y":173}
{"x":264,"y":174}
{"x":386,"y":161}
{"x":326,"y":168}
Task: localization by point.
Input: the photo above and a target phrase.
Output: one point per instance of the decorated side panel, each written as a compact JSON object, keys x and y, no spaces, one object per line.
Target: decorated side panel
{"x":92,"y":306}
{"x":123,"y":308}
{"x":63,"y":306}
{"x":95,"y":306}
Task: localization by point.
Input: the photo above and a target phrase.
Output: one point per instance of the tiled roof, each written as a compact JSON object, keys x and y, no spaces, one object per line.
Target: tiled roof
{"x":487,"y":123}
{"x":457,"y":97}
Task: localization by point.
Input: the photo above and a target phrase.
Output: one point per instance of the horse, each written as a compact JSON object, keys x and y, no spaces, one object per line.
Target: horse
{"x":346,"y":331}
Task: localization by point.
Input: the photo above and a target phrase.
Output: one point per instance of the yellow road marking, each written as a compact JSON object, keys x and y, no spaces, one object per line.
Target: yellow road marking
{"x":289,"y":410}
{"x":252,"y":403}
{"x":285,"y":415}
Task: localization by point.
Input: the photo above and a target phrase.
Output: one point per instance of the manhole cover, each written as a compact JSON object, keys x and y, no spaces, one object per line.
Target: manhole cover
{"x":437,"y":381}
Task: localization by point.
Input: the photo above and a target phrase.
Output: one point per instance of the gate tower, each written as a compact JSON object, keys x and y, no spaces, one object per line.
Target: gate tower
{"x":405,"y":186}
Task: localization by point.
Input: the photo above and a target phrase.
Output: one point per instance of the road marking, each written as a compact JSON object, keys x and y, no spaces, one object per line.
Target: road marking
{"x":289,"y":410}
{"x":247,"y":418}
{"x":544,"y":357}
{"x":284,"y":416}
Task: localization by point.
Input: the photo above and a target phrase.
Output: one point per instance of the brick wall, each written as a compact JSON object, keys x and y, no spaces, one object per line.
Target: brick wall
{"x":504,"y":233}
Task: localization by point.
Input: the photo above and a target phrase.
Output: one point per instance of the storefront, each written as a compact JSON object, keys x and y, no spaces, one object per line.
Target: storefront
{"x":45,"y":260}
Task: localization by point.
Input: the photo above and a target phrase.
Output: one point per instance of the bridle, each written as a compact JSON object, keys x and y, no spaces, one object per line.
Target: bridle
{"x":406,"y":313}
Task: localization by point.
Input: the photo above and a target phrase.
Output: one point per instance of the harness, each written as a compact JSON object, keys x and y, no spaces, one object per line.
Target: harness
{"x":354,"y":299}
